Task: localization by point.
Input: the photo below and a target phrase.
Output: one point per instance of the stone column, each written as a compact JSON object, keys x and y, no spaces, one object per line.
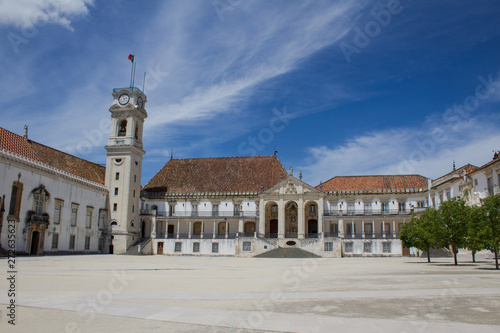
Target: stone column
{"x":363,"y":227}
{"x":202,"y":229}
{"x":301,"y":219}
{"x":190,"y":229}
{"x":153,"y":227}
{"x":166,"y":229}
{"x":394,"y":228}
{"x":262,"y":219}
{"x":281,"y":219}
{"x":320,"y":217}
{"x":227,"y":228}
{"x":178,"y":228}
{"x":353,"y":231}
{"x":240,"y":227}
{"x":341,"y":228}
{"x":214,"y":231}
{"x":373,"y":228}
{"x":383,"y":229}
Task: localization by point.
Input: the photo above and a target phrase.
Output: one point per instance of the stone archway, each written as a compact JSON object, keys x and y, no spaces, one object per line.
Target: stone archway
{"x":291,"y":219}
{"x":271,"y":226}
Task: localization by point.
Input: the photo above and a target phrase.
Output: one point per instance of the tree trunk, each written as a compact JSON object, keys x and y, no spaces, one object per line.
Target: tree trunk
{"x":455,"y":255}
{"x":473,"y":256}
{"x":496,"y":258}
{"x":429,"y":255}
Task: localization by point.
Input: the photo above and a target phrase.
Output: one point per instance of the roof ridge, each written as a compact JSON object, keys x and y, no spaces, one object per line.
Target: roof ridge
{"x":221,"y":157}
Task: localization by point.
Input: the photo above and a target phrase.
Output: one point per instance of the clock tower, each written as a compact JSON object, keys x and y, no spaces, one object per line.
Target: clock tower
{"x":124,"y":166}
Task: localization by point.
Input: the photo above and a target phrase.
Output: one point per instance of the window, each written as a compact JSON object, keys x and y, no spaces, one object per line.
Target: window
{"x":402,"y":206}
{"x":38,"y":204}
{"x":367,"y":247}
{"x":490,"y":186}
{"x":117,"y":176}
{"x":102,"y":217}
{"x":122,"y":129}
{"x":15,"y":199}
{"x":368,"y":208}
{"x":87,"y":243}
{"x":135,"y":178}
{"x":101,"y":244}
{"x":133,"y":194}
{"x":116,"y":190}
{"x":328,"y":246}
{"x":274,"y":210}
{"x":215,"y":247}
{"x":133,"y":208}
{"x":420,"y":204}
{"x":386,"y":247}
{"x":195,"y":210}
{"x":312,"y":210}
{"x":247,"y":246}
{"x":115,"y":207}
{"x":74,"y":213}
{"x":334,"y":229}
{"x":196,"y":247}
{"x":237,"y":209}
{"x":475,"y":182}
{"x":178,"y":247}
{"x":72,"y":242}
{"x":55,"y":240}
{"x":171,"y":210}
{"x":385,"y":206}
{"x":348,"y":247}
{"x":57,"y":211}
{"x":351,"y":229}
{"x":136,"y":134}
{"x":88,"y":218}
{"x":215,"y":210}
{"x":350,"y":208}
{"x":386,"y":228}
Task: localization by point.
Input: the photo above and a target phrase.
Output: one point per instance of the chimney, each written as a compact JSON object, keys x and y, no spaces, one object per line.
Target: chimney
{"x":25,"y":136}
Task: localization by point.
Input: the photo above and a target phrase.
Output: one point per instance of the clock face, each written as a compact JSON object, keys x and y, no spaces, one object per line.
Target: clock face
{"x":140,"y":102}
{"x":123,"y":99}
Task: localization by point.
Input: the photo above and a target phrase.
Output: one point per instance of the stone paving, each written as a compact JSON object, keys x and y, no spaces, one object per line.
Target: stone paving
{"x":106,"y":293}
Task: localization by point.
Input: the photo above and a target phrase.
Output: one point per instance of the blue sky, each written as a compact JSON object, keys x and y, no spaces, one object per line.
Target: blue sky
{"x":339,"y":87}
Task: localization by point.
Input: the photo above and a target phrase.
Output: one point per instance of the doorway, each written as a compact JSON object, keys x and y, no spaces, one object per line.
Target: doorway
{"x":273,"y":228}
{"x":35,"y":242}
{"x":160,"y":248}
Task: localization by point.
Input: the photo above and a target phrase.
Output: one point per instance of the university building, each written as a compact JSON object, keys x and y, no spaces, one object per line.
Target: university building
{"x":56,"y":203}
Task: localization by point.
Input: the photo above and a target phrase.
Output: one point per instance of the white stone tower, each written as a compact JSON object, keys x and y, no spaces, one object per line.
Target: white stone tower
{"x":124,"y":166}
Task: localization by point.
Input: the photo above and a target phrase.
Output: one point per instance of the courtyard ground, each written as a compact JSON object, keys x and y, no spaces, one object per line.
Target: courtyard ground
{"x":106,"y":293}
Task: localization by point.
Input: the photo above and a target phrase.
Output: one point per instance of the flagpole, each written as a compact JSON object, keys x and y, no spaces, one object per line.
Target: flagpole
{"x":133,"y":81}
{"x":131,"y":72}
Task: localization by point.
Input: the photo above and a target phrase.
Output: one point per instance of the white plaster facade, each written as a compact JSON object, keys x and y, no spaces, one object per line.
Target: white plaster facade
{"x":61,"y":188}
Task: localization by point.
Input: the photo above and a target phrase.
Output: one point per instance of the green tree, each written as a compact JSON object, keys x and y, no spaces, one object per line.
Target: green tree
{"x":423,"y":232}
{"x":491,"y":225}
{"x":475,"y":234}
{"x":454,"y":215}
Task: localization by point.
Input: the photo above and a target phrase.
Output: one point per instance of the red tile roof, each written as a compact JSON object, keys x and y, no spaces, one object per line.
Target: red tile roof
{"x":53,"y":157}
{"x":221,"y":174}
{"x":374,"y":183}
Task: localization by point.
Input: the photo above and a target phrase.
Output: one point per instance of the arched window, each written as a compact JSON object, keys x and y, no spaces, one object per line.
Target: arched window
{"x":136,"y":132}
{"x":122,"y":129}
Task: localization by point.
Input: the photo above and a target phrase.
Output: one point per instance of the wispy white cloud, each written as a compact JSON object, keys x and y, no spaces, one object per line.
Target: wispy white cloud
{"x":29,"y":13}
{"x":428,"y":149}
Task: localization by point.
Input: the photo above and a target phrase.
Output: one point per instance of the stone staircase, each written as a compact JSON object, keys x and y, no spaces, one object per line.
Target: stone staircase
{"x":134,"y":249}
{"x":288,"y":252}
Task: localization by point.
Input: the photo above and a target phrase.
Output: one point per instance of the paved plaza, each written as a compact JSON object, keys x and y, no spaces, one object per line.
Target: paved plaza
{"x":106,"y":293}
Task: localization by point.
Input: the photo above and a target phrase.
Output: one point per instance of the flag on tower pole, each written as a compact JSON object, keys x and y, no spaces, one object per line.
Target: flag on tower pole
{"x":131,"y":58}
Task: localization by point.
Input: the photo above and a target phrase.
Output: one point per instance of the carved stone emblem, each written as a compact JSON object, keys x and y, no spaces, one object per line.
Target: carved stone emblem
{"x":290,"y":188}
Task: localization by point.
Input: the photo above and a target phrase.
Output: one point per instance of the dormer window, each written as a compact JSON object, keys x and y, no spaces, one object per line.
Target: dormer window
{"x":122,"y":129}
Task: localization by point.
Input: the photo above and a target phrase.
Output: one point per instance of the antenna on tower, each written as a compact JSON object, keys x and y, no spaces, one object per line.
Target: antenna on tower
{"x":275,"y":151}
{"x":172,"y":153}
